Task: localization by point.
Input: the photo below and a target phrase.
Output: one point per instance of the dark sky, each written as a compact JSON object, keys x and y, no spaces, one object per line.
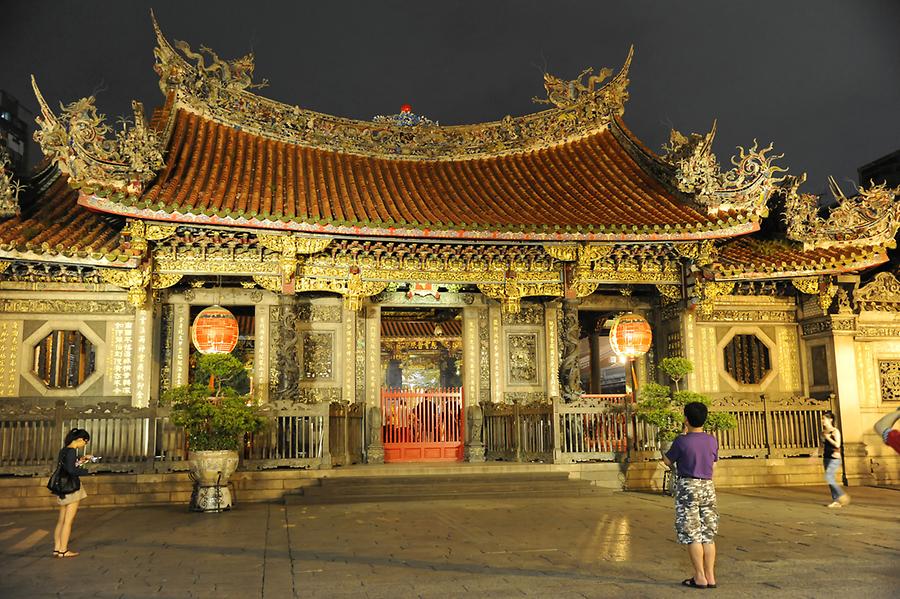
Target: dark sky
{"x":820,"y":78}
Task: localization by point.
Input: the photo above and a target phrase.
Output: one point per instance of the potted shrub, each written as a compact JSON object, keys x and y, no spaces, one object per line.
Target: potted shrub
{"x":663,"y":408}
{"x":215,"y":418}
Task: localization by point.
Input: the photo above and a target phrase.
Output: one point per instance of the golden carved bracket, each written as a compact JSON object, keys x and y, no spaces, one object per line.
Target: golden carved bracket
{"x":164,"y":281}
{"x":707,"y":292}
{"x":290,"y":246}
{"x":821,"y":286}
{"x":702,"y":253}
{"x":134,"y":280}
{"x":268,"y":282}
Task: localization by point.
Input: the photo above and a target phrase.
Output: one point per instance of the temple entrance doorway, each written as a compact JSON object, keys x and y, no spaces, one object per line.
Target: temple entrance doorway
{"x":421,"y":393}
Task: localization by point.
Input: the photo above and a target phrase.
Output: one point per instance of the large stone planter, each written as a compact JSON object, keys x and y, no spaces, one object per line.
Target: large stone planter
{"x":210,"y":471}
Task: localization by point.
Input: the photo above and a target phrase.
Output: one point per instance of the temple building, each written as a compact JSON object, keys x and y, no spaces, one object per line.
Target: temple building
{"x":445,"y":292}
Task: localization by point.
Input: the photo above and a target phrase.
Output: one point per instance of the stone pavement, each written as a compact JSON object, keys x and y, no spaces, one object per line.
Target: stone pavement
{"x":773,"y":543}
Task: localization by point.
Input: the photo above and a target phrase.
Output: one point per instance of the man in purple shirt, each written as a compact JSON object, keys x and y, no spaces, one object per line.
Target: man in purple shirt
{"x":696,"y":515}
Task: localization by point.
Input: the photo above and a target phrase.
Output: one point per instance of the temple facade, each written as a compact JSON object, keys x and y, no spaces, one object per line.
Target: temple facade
{"x":411,"y":291}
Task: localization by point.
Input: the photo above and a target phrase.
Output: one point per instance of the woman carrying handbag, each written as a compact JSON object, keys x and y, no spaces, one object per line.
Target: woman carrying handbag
{"x":66,"y":484}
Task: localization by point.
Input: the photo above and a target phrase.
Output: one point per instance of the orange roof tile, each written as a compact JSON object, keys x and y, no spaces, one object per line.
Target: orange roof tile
{"x":52,"y":224}
{"x":752,"y":258}
{"x":217,"y":174}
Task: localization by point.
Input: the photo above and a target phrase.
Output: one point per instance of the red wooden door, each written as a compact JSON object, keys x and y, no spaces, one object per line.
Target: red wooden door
{"x":423,"y":425}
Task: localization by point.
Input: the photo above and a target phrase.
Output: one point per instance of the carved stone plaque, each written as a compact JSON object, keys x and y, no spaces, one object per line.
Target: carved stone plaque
{"x":522,"y":352}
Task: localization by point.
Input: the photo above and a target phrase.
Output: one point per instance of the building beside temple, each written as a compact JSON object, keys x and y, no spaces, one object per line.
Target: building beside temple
{"x":407,"y":272}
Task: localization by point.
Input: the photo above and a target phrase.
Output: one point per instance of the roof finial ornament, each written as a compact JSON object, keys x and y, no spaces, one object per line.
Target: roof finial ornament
{"x":77,"y":140}
{"x":204,"y":80}
{"x":870,"y":218}
{"x":566,"y":94}
{"x":696,"y":171}
{"x":9,"y":188}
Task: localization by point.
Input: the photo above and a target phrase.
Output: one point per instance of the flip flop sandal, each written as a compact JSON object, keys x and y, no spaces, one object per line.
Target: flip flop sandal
{"x":67,"y":553}
{"x":689,"y":582}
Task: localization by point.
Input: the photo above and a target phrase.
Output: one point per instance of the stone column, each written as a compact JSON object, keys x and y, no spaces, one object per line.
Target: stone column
{"x":474,"y":444}
{"x":142,"y":359}
{"x":348,"y":361}
{"x":471,"y":381}
{"x":848,"y":405}
{"x":261,"y":350}
{"x":181,"y":339}
{"x":375,"y":449}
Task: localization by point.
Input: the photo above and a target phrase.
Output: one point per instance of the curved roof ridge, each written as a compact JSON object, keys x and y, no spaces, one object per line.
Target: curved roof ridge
{"x":220,"y":91}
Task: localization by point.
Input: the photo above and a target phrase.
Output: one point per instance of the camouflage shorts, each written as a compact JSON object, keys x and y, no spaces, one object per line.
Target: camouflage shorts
{"x":696,"y":514}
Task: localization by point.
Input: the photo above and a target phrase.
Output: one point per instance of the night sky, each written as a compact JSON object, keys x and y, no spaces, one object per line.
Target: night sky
{"x":820,"y":78}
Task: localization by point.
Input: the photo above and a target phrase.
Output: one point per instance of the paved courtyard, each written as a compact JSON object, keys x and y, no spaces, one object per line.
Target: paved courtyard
{"x":773,"y":542}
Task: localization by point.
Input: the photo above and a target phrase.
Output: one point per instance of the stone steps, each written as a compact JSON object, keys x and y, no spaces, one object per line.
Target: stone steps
{"x":420,"y":488}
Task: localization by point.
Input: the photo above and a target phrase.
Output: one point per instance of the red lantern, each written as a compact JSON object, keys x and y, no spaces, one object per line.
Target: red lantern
{"x":215,"y":331}
{"x":630,"y":336}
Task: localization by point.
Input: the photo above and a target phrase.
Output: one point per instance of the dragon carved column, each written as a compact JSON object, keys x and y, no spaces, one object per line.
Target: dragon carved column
{"x":286,"y":358}
{"x":569,"y":375}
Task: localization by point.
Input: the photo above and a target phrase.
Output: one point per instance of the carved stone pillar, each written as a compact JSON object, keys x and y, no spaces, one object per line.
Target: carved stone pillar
{"x":261,"y":350}
{"x":474,"y":444}
{"x":569,"y":375}
{"x":142,"y":358}
{"x":181,"y":344}
{"x":848,"y":406}
{"x":472,"y":381}
{"x":375,"y":449}
{"x":286,"y":359}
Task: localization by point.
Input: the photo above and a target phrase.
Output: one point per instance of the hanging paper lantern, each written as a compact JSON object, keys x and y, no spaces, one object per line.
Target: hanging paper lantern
{"x":215,"y":331}
{"x":630,"y":336}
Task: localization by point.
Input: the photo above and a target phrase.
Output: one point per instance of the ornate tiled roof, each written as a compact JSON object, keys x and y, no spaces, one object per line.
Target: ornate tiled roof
{"x":52,"y":227}
{"x":217,"y":174}
{"x":752,"y":258}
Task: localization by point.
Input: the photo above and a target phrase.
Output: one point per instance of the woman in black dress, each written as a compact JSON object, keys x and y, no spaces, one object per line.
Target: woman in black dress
{"x":68,"y":504}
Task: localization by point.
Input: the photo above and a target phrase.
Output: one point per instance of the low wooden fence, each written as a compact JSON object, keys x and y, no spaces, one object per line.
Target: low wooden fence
{"x":144,"y":440}
{"x":772,"y":427}
{"x":346,"y":425}
{"x":594,"y":428}
{"x":522,"y":433}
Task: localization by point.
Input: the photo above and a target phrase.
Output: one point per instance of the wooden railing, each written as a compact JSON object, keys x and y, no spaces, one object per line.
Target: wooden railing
{"x":518,"y":432}
{"x":595,"y":428}
{"x":144,"y":440}
{"x":346,"y":427}
{"x":295,"y":435}
{"x":772,"y":427}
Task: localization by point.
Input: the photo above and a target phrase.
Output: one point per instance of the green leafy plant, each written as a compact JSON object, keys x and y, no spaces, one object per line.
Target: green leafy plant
{"x":659,"y":406}
{"x":214,"y":417}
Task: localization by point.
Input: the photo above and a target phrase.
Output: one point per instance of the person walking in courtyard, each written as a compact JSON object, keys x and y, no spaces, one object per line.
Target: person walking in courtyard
{"x":831,"y":457}
{"x":68,"y":504}
{"x":885,"y":428}
{"x":694,"y":455}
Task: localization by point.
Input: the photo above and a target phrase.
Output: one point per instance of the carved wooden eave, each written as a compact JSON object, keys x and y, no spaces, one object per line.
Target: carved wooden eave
{"x":78,"y":142}
{"x":869,"y":219}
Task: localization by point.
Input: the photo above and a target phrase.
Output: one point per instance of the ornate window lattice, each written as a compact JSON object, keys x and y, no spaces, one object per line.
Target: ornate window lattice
{"x":64,"y":359}
{"x":747,"y":359}
{"x":889,"y":371}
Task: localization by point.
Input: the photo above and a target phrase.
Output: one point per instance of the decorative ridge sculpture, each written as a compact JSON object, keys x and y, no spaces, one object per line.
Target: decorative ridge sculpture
{"x":695,"y":171}
{"x":78,"y":142}
{"x":9,"y":188}
{"x":870,"y":218}
{"x":220,"y":91}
